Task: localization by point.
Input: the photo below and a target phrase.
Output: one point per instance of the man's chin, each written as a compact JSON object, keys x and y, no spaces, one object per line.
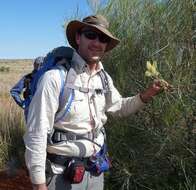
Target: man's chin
{"x":94,"y":59}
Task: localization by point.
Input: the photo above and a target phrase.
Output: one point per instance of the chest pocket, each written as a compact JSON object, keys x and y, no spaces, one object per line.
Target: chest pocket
{"x":82,"y":102}
{"x":79,"y":103}
{"x":79,"y":107}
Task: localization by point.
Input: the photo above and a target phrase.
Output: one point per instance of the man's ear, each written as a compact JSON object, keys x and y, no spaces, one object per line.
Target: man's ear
{"x":77,"y":38}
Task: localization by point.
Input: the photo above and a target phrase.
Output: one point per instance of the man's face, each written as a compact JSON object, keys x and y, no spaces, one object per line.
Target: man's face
{"x":91,"y":45}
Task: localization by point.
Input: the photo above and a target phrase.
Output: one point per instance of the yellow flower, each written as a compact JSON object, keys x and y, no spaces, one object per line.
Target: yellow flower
{"x":148,"y":74}
{"x":151,"y":69}
{"x":148,"y":65}
{"x":153,"y":73}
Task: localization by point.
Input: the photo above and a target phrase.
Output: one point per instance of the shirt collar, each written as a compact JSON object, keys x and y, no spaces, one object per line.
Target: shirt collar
{"x":80,"y":65}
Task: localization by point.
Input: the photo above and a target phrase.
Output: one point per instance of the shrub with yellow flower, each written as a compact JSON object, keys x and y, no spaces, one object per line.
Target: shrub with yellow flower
{"x":153,"y":73}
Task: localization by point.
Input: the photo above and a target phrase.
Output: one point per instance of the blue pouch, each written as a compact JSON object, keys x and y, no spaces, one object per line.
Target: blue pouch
{"x":100,"y":162}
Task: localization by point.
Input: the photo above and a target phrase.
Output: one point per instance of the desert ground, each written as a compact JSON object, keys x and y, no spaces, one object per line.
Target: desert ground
{"x":10,"y":72}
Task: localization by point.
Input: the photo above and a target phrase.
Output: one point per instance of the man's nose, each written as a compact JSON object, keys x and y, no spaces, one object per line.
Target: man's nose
{"x":96,"y":41}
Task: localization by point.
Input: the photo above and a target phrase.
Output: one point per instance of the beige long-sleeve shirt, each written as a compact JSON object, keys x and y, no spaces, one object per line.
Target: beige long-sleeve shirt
{"x":86,"y":114}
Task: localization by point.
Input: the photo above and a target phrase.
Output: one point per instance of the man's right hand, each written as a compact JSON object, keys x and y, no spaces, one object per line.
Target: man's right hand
{"x":40,"y":187}
{"x":155,"y":88}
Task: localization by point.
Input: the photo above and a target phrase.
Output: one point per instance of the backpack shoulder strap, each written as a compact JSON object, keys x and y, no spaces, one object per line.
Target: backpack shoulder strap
{"x":64,"y":60}
{"x":62,"y":57}
{"x":104,"y":80}
{"x":62,"y":77}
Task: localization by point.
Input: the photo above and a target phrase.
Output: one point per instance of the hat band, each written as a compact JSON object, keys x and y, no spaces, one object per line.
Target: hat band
{"x":97,"y":23}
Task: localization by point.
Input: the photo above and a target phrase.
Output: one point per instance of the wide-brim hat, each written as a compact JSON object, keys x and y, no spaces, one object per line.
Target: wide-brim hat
{"x":97,"y":22}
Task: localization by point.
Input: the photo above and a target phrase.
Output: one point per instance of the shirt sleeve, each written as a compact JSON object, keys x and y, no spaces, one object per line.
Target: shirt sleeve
{"x":40,"y":121}
{"x":17,"y":90}
{"x":116,"y":105}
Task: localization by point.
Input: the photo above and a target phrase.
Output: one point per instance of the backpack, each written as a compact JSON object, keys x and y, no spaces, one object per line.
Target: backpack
{"x":61,"y":55}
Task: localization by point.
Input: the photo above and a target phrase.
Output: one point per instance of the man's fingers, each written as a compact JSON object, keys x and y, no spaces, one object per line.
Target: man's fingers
{"x":164,"y":85}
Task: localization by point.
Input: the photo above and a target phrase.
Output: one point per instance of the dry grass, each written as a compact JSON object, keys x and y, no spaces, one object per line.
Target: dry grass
{"x":11,"y":115}
{"x":17,"y":68}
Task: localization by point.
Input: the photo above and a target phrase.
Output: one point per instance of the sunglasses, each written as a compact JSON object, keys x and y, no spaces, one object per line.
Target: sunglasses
{"x":91,"y":35}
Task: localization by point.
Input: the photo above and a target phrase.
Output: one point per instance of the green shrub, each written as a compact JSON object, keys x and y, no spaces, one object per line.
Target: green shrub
{"x":154,"y":149}
{"x":4,"y":69}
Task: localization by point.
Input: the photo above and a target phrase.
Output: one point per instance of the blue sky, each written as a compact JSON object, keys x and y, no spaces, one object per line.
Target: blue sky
{"x":29,"y":28}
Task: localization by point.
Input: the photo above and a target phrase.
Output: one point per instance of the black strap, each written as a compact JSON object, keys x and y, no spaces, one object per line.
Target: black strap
{"x":61,"y":136}
{"x":104,"y":80}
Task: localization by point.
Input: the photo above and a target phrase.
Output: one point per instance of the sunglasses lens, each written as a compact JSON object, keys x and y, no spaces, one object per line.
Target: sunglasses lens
{"x":104,"y":38}
{"x":91,"y":35}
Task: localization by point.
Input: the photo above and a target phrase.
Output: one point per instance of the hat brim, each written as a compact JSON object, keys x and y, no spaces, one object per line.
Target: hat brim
{"x":74,"y":26}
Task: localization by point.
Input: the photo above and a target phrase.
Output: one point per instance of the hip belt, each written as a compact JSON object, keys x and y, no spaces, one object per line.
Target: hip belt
{"x":96,"y":164}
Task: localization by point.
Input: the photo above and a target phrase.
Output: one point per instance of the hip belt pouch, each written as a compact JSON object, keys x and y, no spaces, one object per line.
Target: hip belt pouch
{"x":100,"y":162}
{"x":75,"y":171}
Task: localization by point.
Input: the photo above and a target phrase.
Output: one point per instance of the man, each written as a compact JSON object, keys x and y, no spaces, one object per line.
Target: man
{"x":81,"y":134}
{"x":20,"y":90}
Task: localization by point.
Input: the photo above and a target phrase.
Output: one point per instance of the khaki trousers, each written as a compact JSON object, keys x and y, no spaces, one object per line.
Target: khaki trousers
{"x":89,"y":182}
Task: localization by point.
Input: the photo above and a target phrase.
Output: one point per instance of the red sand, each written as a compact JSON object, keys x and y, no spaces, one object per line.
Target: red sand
{"x":20,"y":181}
